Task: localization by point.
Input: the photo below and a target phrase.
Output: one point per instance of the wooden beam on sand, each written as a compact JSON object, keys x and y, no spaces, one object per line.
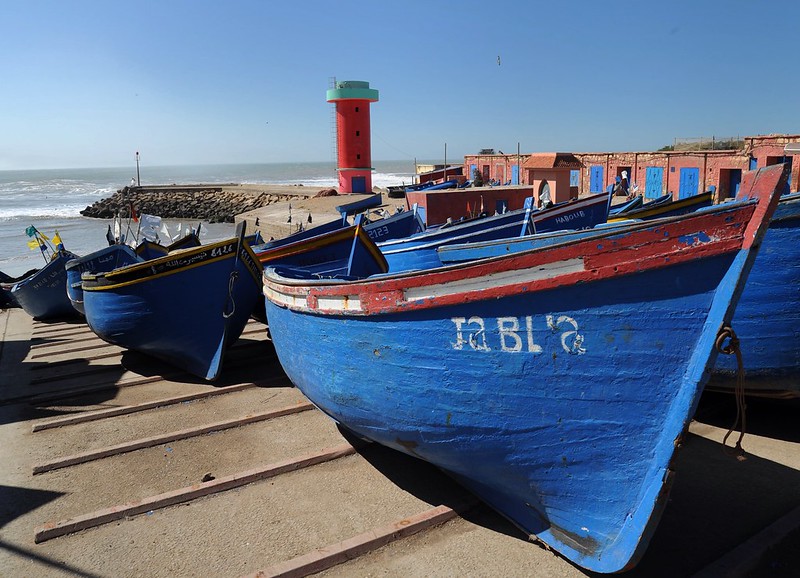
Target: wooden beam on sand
{"x":325,"y":558}
{"x":142,"y":443}
{"x":55,"y":529}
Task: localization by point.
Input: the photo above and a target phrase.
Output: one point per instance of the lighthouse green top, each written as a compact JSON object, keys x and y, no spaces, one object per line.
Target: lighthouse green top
{"x":352,"y":90}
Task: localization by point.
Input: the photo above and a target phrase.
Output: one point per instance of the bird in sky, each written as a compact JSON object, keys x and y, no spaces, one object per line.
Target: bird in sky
{"x":498,"y":61}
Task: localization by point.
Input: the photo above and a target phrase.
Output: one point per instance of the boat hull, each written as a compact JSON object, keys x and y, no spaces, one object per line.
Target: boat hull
{"x":553,"y":383}
{"x":43,"y":295}
{"x":185,"y":308}
{"x":767,"y":319}
{"x":104,"y":260}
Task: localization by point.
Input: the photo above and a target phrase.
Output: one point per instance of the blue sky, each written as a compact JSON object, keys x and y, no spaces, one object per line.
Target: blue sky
{"x":88,"y":83}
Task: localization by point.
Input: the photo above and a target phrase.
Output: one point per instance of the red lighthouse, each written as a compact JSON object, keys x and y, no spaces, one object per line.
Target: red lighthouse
{"x":352,"y":98}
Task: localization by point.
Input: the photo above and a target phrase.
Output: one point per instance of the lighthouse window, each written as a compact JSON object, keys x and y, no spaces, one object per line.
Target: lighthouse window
{"x":358,"y":157}
{"x":358,"y":133}
{"x":356,"y":109}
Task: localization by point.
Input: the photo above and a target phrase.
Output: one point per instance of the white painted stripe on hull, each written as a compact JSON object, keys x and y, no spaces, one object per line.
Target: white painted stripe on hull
{"x":494,"y":280}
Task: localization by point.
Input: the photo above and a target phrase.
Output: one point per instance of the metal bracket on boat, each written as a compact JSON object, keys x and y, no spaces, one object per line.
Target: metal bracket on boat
{"x":231,"y":282}
{"x":732,"y":348}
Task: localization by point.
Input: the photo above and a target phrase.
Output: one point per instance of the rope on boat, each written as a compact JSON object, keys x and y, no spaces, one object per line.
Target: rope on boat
{"x":231,"y":282}
{"x":741,"y":407}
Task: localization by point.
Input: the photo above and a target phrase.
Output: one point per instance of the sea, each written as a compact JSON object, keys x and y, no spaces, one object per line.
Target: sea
{"x":51,"y":200}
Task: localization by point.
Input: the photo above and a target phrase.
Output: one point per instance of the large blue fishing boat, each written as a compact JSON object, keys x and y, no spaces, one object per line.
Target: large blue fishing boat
{"x":552,"y":383}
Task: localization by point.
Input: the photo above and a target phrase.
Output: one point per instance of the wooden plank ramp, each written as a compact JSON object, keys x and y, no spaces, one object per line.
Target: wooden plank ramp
{"x":124,"y":464}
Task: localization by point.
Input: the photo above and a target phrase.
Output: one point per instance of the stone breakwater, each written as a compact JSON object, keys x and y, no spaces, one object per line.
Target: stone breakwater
{"x":212,"y":203}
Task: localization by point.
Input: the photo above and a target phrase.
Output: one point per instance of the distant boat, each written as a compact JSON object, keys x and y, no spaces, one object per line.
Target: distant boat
{"x":420,"y":251}
{"x":634,"y":203}
{"x":668,"y":208}
{"x":555,"y":384}
{"x":767,"y":319}
{"x":360,"y":205}
{"x":43,"y":294}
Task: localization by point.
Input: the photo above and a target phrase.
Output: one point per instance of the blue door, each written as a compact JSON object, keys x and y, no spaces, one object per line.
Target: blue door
{"x":690,"y":177}
{"x":472,"y":169}
{"x":753,"y":164}
{"x":515,"y":175}
{"x":735,"y":181}
{"x":359,"y":184}
{"x":653,"y":182}
{"x":596,"y":179}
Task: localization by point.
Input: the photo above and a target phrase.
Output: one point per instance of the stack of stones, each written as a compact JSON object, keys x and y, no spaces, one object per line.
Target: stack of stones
{"x":213,"y":204}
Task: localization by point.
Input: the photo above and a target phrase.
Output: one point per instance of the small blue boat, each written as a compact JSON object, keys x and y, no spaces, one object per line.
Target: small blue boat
{"x":360,"y":205}
{"x":555,"y":384}
{"x":420,"y":251}
{"x":668,"y":207}
{"x":397,"y":226}
{"x":102,"y":261}
{"x":43,"y":295}
{"x":634,"y":203}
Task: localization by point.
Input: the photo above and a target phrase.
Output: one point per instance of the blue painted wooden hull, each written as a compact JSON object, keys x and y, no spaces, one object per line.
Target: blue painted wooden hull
{"x":767,"y":319}
{"x":360,"y":205}
{"x":669,"y":208}
{"x":181,"y":308}
{"x":397,"y":226}
{"x":102,"y":261}
{"x":634,"y":203}
{"x":43,"y":295}
{"x":552,"y":383}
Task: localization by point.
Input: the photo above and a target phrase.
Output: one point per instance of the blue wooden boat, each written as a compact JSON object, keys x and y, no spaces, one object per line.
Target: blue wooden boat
{"x":620,"y":209}
{"x":185,"y":308}
{"x":360,"y":205}
{"x":102,"y":261}
{"x":767,"y":319}
{"x":669,"y":208}
{"x":397,"y":226}
{"x":555,"y":384}
{"x":662,"y":200}
{"x":449,"y":184}
{"x":420,"y":251}
{"x":43,"y":295}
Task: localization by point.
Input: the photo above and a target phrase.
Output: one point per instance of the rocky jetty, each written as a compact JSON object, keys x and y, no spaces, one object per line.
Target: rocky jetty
{"x":213,"y":203}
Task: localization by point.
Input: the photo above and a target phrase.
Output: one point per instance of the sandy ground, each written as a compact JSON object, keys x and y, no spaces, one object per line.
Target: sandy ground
{"x":717,"y":502}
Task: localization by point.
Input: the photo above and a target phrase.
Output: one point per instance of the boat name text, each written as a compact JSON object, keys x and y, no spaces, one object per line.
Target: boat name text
{"x":515,"y":334}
